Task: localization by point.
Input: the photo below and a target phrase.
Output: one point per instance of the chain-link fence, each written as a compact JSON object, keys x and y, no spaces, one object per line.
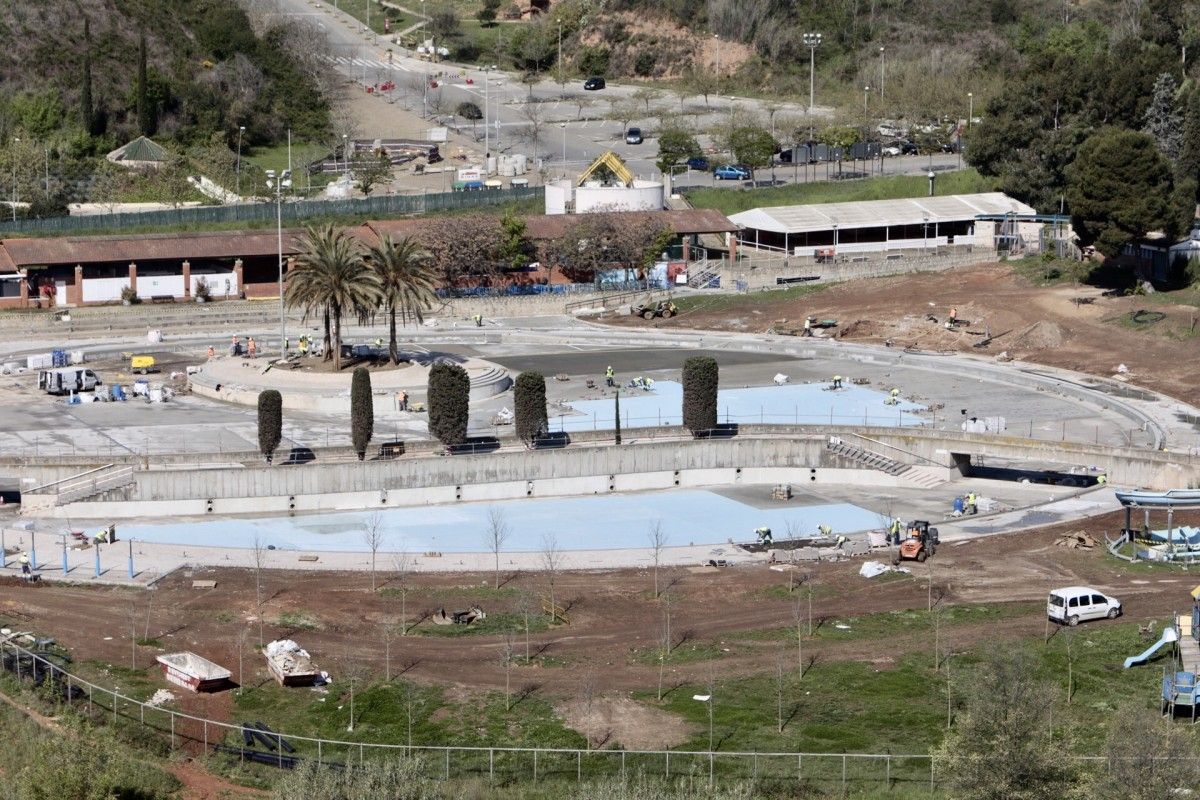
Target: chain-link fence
{"x":379,"y":206}
{"x":849,"y":773}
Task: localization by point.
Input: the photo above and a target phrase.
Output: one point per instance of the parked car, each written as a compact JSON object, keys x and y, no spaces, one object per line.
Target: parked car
{"x":909,"y":149}
{"x":891,"y":150}
{"x":698,"y":163}
{"x":1075,"y":604}
{"x":731,"y":172}
{"x":633,"y":136}
{"x":593,"y":84}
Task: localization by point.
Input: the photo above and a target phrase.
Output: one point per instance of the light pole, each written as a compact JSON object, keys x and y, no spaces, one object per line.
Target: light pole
{"x":562,"y":79}
{"x":932,"y":177}
{"x":238,"y":180}
{"x":925,"y":227}
{"x":563,"y":126}
{"x":717,"y":39}
{"x":812,"y":41}
{"x":283,"y":182}
{"x":882,"y":74}
{"x":486,"y":138}
{"x":866,"y":92}
{"x":16,"y":142}
{"x":970,"y":107}
{"x":346,"y":152}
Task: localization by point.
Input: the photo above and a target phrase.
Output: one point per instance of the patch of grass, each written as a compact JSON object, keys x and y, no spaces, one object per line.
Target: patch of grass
{"x":886,"y":624}
{"x":731,"y":201}
{"x":1040,"y":271}
{"x":684,"y":653}
{"x":461,"y":594}
{"x":720,"y":303}
{"x":151,"y":642}
{"x":299,"y":620}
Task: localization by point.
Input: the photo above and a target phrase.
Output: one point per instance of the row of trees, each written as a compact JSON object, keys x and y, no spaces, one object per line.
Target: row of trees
{"x":449,"y":405}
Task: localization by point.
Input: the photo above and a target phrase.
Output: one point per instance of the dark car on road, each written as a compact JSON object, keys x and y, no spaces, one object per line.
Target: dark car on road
{"x":731,"y":172}
{"x":593,"y":83}
{"x":698,"y":163}
{"x":634,"y":136}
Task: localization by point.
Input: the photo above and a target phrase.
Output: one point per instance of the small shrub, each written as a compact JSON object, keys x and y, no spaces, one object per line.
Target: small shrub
{"x":129,"y":295}
{"x":644,"y":65}
{"x":202,"y":291}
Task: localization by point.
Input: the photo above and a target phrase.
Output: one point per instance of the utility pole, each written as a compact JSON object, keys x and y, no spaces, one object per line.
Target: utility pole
{"x":882,"y":74}
{"x":562,"y":78}
{"x":812,"y":41}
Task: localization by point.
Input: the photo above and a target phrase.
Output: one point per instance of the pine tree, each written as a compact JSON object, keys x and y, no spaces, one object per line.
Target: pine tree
{"x":87,"y":111}
{"x":1163,"y":119}
{"x":362,"y":411}
{"x":1188,"y":166}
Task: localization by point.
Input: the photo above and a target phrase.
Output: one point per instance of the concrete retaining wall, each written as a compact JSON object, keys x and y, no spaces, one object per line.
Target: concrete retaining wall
{"x":764,"y":275}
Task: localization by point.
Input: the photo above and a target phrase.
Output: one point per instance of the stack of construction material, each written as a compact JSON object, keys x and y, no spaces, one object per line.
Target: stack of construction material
{"x":290,"y":664}
{"x":1076,"y":541}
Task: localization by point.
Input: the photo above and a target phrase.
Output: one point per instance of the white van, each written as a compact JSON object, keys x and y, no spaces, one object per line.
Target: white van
{"x":64,"y":380}
{"x":1076,"y":604}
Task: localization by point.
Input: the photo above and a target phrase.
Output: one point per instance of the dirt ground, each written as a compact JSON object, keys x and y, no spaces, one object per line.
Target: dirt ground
{"x":612,"y":616}
{"x":1040,"y":324}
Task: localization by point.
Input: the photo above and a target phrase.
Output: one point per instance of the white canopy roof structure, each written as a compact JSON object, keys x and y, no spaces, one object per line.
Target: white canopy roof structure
{"x":878,"y":213}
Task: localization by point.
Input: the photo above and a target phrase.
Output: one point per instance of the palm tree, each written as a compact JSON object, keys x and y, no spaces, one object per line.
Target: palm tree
{"x":406,"y":281}
{"x":332,"y":277}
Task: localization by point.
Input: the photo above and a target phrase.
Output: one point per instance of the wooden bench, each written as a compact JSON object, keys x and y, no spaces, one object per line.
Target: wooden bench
{"x":162,"y":298}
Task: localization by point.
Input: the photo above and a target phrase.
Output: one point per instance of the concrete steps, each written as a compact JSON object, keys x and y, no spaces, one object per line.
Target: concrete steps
{"x":924,"y":477}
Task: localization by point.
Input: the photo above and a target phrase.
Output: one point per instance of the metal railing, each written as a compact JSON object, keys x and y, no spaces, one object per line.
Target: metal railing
{"x":86,"y":484}
{"x":849,"y":771}
{"x":380,"y":206}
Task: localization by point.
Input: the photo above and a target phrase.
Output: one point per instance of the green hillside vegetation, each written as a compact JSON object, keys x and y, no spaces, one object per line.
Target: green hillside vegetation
{"x":80,"y":79}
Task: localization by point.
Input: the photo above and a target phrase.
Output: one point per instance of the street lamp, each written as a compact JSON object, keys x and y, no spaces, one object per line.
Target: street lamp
{"x":241,"y":130}
{"x":283,"y":182}
{"x":346,"y":152}
{"x":812,"y":41}
{"x":486,"y":138}
{"x":717,"y":39}
{"x":866,"y":92}
{"x":882,"y":73}
{"x":932,"y":177}
{"x":563,"y":126}
{"x":16,"y":141}
{"x":707,"y":700}
{"x":925,"y":227}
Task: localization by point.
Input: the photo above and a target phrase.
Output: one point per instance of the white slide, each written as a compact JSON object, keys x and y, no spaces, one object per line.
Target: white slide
{"x":1168,"y":635}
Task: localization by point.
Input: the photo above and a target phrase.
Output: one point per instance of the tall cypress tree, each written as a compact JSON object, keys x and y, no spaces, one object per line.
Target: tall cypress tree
{"x":145,"y":114}
{"x":270,"y":422}
{"x":362,"y":411}
{"x":529,"y":403}
{"x":87,"y":111}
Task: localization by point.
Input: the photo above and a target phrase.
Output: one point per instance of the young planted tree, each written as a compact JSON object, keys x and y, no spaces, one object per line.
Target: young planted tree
{"x":658,"y":540}
{"x":362,"y":411}
{"x":753,"y":147}
{"x":497,"y":535}
{"x":676,"y":146}
{"x":700,"y":394}
{"x":552,"y":562}
{"x":529,"y":404}
{"x":373,"y":536}
{"x":370,"y":171}
{"x":449,"y":397}
{"x":270,"y":422}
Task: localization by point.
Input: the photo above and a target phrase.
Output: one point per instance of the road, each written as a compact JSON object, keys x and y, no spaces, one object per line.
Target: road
{"x":576,"y":126}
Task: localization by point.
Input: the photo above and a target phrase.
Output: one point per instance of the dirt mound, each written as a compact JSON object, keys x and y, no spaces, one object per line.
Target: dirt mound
{"x":1041,"y":335}
{"x":618,"y":719}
